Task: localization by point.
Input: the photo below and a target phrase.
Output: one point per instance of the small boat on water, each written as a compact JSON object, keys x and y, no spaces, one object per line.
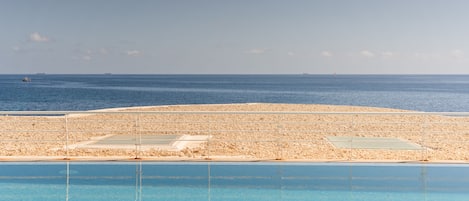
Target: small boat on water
{"x":26,"y":79}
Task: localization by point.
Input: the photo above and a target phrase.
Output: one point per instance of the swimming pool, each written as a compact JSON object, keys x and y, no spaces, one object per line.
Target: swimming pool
{"x":99,"y":181}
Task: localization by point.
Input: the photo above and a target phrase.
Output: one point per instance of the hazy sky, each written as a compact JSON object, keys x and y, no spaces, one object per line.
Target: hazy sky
{"x":234,"y":36}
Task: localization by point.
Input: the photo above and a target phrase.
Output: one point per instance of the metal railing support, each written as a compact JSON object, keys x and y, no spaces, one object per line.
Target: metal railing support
{"x":138,"y":136}
{"x":278,"y":137}
{"x":67,"y":153}
{"x":209,"y":132}
{"x":424,"y":142}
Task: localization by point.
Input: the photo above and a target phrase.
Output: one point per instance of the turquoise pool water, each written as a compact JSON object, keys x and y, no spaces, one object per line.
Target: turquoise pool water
{"x":256,"y":181}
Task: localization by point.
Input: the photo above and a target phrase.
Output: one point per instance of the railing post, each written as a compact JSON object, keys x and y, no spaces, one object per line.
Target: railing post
{"x":209,"y":182}
{"x":352,"y":132}
{"x":424,"y":156}
{"x":67,"y":154}
{"x":209,"y":132}
{"x":278,"y":138}
{"x":138,"y":136}
{"x":67,"y":182}
{"x":138,"y":181}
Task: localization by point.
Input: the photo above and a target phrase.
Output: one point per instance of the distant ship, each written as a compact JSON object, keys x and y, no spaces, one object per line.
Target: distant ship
{"x":26,"y":79}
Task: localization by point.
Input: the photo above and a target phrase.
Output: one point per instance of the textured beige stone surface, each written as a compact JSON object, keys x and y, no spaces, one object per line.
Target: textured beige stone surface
{"x":241,"y":132}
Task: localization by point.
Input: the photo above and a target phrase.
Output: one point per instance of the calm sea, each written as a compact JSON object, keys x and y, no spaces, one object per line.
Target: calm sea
{"x":85,"y":92}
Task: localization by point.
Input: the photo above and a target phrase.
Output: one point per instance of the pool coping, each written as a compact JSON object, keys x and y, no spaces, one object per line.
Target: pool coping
{"x":185,"y":160}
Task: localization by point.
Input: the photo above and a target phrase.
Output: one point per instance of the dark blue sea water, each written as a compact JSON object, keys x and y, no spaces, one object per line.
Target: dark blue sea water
{"x":84,"y":92}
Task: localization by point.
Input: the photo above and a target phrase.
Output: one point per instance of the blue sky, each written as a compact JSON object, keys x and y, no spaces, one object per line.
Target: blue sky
{"x":221,"y":36}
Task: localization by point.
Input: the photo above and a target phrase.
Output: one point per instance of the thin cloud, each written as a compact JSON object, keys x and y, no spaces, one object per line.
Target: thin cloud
{"x":256,"y":51}
{"x":457,"y":54}
{"x":16,"y":48}
{"x":100,"y":51}
{"x":367,"y":53}
{"x":422,"y":56}
{"x":291,"y":54}
{"x":86,"y":58}
{"x":36,"y":37}
{"x":103,"y":51}
{"x":91,"y":54}
{"x":326,"y":54}
{"x":387,"y":54}
{"x":133,"y":53}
